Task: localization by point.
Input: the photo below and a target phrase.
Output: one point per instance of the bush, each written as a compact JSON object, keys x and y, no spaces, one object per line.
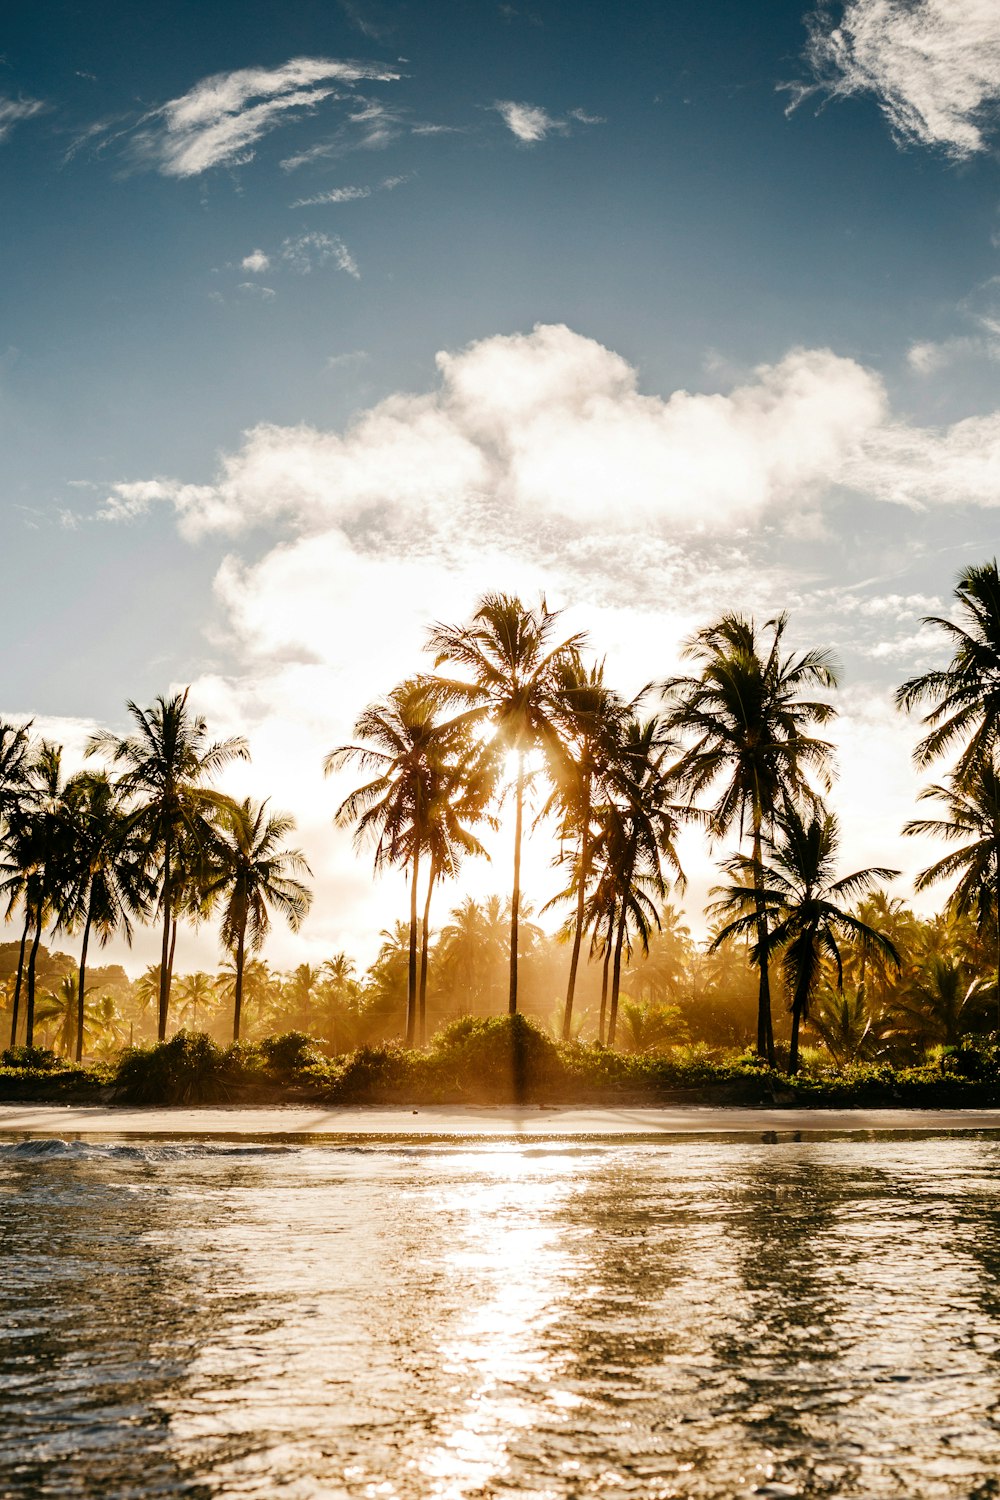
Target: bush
{"x":291,"y":1052}
{"x":189,"y":1069}
{"x":373,"y":1075}
{"x":37,"y":1059}
{"x":500,"y":1059}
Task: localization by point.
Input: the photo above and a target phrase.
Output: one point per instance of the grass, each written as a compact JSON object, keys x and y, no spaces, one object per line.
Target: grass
{"x":498,"y":1060}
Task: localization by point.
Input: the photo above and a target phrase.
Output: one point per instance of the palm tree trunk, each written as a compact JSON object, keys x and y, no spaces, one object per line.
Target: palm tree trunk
{"x":798,"y":1011}
{"x":616,"y":978}
{"x":515,"y":905}
{"x":164,"y":999}
{"x":765,"y":1034}
{"x":20,"y":972}
{"x":604,"y":984}
{"x":581,"y":899}
{"x":29,"y":1027}
{"x":81,"y":980}
{"x":411,"y":986}
{"x":238,"y":986}
{"x":424,"y":939}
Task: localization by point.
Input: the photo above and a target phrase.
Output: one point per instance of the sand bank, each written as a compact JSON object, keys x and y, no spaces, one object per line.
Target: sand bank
{"x":450,"y":1121}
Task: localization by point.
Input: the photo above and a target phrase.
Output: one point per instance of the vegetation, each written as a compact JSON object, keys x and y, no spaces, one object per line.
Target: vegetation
{"x":621,"y":1000}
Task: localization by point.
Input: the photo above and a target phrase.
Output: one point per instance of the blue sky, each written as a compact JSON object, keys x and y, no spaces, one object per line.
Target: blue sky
{"x":714,"y":293}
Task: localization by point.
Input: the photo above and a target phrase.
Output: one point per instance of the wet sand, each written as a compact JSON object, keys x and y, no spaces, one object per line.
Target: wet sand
{"x":457,"y":1122}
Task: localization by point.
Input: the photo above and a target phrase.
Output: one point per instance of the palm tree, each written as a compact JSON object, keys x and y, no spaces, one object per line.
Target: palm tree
{"x":591,"y":717}
{"x":472,"y":949}
{"x":797,"y":886}
{"x":416,"y":801}
{"x":249,"y":872}
{"x":749,"y":730}
{"x":105,"y":880}
{"x":196,"y":992}
{"x":34,"y":861}
{"x":510,"y":658}
{"x":638,"y":829}
{"x":167,"y":761}
{"x":844,"y":1022}
{"x":964,"y":696}
{"x":972,"y":820}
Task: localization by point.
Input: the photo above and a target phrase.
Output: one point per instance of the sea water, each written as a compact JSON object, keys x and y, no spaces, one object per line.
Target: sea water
{"x":407,"y":1318}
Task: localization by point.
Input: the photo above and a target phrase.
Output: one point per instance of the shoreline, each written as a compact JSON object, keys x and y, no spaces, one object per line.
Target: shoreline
{"x":467,"y":1122}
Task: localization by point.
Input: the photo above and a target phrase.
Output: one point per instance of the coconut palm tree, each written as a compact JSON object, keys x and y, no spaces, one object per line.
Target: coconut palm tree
{"x":796,"y":883}
{"x":166,"y":762}
{"x":964,"y":696}
{"x":843,"y":1020}
{"x":197,"y":997}
{"x":105,"y":880}
{"x":248,"y":873}
{"x":637,"y":837}
{"x":417,"y":801}
{"x":750,"y":741}
{"x":509,"y":657}
{"x":34,"y":860}
{"x":591,"y":717}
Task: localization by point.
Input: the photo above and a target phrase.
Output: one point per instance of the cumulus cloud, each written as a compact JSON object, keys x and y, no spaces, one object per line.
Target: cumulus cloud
{"x":932,"y":65}
{"x":13,"y":111}
{"x":220,"y":120}
{"x":531,"y":123}
{"x":256,"y":261}
{"x":548,"y":435}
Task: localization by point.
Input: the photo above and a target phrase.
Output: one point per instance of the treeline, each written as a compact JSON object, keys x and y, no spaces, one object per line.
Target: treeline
{"x":516,"y":711}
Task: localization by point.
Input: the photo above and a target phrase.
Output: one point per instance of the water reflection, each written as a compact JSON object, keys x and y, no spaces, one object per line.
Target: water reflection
{"x":679,"y":1319}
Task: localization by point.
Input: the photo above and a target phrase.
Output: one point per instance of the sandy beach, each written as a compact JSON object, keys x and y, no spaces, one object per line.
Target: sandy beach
{"x":451,"y":1122}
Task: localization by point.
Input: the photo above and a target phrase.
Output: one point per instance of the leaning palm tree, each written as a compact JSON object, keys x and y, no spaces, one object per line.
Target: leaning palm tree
{"x":796,"y":883}
{"x":750,"y":741}
{"x":249,"y":872}
{"x":509,"y":657}
{"x":971,"y":820}
{"x":166,"y":764}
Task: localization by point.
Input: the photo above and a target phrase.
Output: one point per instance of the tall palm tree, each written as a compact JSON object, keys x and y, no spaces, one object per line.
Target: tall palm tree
{"x":971,"y":820}
{"x":750,"y":741}
{"x":249,"y":872}
{"x":33,"y":868}
{"x":638,"y":830}
{"x":413,"y":803}
{"x":509,"y":657}
{"x":105,"y":880}
{"x":167,"y":762}
{"x":964,"y":696}
{"x":796,"y":882}
{"x":591,"y":717}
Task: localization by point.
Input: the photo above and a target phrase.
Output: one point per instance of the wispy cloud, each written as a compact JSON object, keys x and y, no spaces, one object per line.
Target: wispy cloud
{"x":531,"y":123}
{"x":980,"y":311}
{"x":305,"y":252}
{"x":219,"y":121}
{"x":14,"y":111}
{"x":932,"y":65}
{"x":351,"y":194}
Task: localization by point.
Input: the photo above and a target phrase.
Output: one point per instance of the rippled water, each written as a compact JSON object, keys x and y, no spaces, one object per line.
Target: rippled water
{"x":684,"y":1318}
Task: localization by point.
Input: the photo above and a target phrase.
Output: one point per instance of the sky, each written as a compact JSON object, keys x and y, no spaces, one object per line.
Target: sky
{"x":317,"y":322}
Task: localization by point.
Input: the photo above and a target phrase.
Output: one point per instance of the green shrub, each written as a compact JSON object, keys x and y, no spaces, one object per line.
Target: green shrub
{"x":502,"y":1059}
{"x":381,"y":1074}
{"x":37,"y":1059}
{"x":291,"y":1052}
{"x":189,"y":1069}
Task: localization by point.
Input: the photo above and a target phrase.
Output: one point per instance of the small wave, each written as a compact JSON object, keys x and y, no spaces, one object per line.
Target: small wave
{"x":55,"y":1148}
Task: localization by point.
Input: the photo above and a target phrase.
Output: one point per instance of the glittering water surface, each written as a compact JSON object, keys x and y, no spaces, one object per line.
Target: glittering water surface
{"x":684,"y":1318}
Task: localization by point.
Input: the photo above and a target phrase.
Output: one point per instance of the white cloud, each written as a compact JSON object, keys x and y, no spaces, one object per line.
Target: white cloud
{"x":531,"y":123}
{"x":933,"y":66}
{"x":257,"y":289}
{"x":256,"y":261}
{"x":304,"y":252}
{"x":335,"y":195}
{"x":13,"y":111}
{"x":219,"y":121}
